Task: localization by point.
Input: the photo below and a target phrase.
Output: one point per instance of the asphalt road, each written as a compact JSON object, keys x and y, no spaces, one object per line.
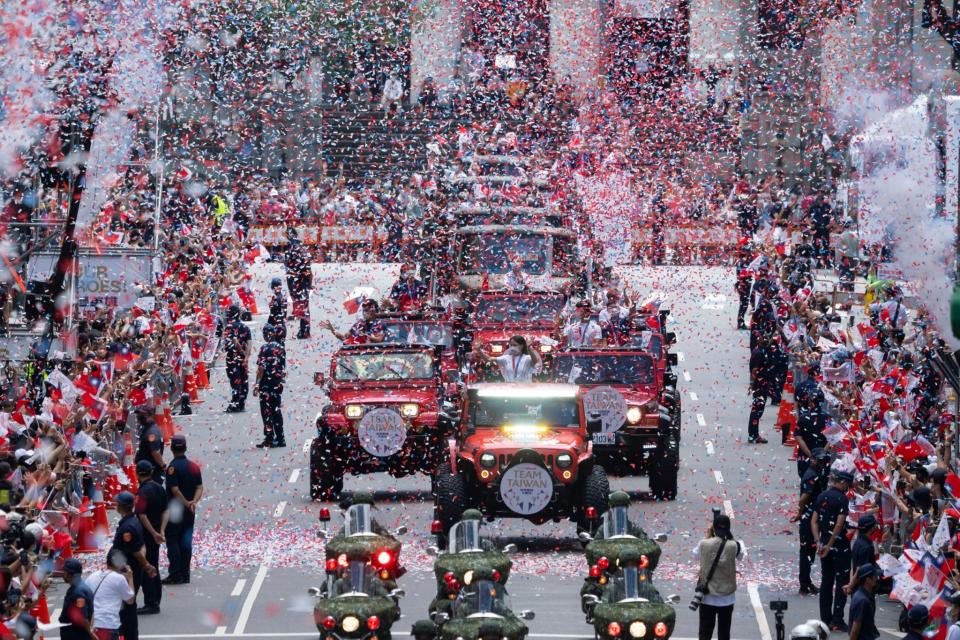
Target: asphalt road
{"x":257,"y":550}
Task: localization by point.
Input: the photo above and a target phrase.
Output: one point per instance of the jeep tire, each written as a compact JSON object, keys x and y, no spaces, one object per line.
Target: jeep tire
{"x":594,"y":492}
{"x":326,"y":482}
{"x":664,"y":468}
{"x":450,"y":499}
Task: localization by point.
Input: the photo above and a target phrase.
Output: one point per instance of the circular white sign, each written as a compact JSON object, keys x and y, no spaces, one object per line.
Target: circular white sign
{"x":607,"y":405}
{"x":526,"y":488}
{"x":382,"y":432}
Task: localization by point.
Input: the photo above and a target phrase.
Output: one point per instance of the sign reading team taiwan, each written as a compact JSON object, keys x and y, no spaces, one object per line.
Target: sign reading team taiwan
{"x":526,"y":488}
{"x":607,"y":405}
{"x":382,"y":432}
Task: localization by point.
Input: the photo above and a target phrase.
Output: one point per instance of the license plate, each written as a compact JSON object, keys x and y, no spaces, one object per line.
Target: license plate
{"x":604,"y":438}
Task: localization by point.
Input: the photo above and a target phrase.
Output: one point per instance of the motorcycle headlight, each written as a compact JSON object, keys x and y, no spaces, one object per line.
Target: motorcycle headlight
{"x":496,"y":348}
{"x":410,"y":410}
{"x":564,"y":460}
{"x":638,"y":629}
{"x":350,"y":624}
{"x":353,"y":410}
{"x":634,"y":415}
{"x":488,"y":460}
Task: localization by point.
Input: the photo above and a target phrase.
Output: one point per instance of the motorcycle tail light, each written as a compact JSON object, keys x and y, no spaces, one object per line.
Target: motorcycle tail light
{"x":496,"y":576}
{"x":644,"y":562}
{"x":613,"y":629}
{"x":332,"y":564}
{"x":373,"y":623}
{"x":384,"y":574}
{"x":660,"y":630}
{"x":384,"y":558}
{"x":436,"y":528}
{"x":594,"y":571}
{"x":591,"y":513}
{"x":603,"y":563}
{"x":449,"y":577}
{"x":454,"y":585}
{"x":329,"y":623}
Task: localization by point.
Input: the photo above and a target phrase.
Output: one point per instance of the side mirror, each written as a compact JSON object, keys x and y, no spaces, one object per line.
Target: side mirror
{"x":313,"y":592}
{"x":433,"y":550}
{"x":441,"y":618}
{"x":451,"y":376}
{"x":584,"y":537}
{"x":527,"y":614}
{"x":673,"y":598}
{"x":400,"y":531}
{"x":672,"y":359}
{"x":510,"y":549}
{"x":590,"y":600}
{"x":660,"y":537}
{"x":670,"y":379}
{"x":396,"y":594}
{"x":319,"y":379}
{"x":322,"y":534}
{"x":671,"y":337}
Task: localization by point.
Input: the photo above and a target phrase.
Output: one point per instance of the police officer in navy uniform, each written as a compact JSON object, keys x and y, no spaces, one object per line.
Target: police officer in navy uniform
{"x":813,"y":483}
{"x":744,"y":283}
{"x":236,"y":339}
{"x":918,"y":618}
{"x":828,"y":523}
{"x":762,"y":362}
{"x":77,"y":612}
{"x":278,"y":308}
{"x":811,"y":419}
{"x":184,"y":491}
{"x":129,"y":539}
{"x":150,"y":445}
{"x":863,"y":605}
{"x":299,"y":281}
{"x":271,"y":371}
{"x":151,"y":509}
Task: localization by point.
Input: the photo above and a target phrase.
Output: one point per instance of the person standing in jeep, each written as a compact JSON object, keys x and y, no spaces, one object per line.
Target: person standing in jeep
{"x":717,"y":579}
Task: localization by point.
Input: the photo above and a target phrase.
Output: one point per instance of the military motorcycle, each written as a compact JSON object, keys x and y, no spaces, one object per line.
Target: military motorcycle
{"x":361,"y":535}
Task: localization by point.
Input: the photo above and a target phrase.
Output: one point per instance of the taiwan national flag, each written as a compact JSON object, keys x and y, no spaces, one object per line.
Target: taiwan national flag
{"x":97,"y":407}
{"x":90,"y":382}
{"x":123,"y":357}
{"x":355,"y":299}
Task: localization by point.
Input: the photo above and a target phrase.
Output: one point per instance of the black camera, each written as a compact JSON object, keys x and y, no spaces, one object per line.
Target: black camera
{"x":778,"y":606}
{"x":697,"y":599}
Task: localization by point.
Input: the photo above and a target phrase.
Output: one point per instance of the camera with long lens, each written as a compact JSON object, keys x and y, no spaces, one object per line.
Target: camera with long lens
{"x":697,"y":598}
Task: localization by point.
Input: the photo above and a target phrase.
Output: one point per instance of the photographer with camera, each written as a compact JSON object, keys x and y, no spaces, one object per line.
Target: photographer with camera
{"x":717,"y":579}
{"x":112,"y":588}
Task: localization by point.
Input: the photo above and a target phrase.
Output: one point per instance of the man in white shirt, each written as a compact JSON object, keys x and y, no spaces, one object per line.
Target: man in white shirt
{"x":583,"y":331}
{"x":111,"y":587}
{"x":613,"y":310}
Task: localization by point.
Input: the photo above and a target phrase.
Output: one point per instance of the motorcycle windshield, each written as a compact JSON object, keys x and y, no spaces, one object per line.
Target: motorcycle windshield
{"x":358,"y":520}
{"x":465,"y":536}
{"x":482,"y":598}
{"x":354,"y":579}
{"x":625,"y":586}
{"x":616,"y":522}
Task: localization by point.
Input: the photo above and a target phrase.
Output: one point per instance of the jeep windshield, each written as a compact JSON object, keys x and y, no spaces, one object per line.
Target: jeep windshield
{"x":534,"y":411}
{"x":634,"y":369}
{"x":495,"y":252}
{"x":375,"y":366}
{"x":518,"y":310}
{"x":645,"y":341}
{"x":433,"y":334}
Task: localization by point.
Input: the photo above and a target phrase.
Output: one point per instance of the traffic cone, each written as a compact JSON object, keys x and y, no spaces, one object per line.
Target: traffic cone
{"x":100,"y":521}
{"x":787,"y":414}
{"x":163,"y":419}
{"x":203,"y":381}
{"x":129,"y":466}
{"x":86,"y":531}
{"x":41,"y":612}
{"x":190,"y":387}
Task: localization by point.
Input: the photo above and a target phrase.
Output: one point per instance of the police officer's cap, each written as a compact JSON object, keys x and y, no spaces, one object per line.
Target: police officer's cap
{"x":868,"y":570}
{"x":918,"y":614}
{"x":921,"y":497}
{"x":276,"y":282}
{"x":144,"y":468}
{"x":619,"y":499}
{"x":629,"y":558}
{"x":843,"y":476}
{"x":867,"y":522}
{"x":271,"y":332}
{"x":233,"y":311}
{"x":472,"y":514}
{"x":72,"y":566}
{"x":178,"y":440}
{"x":126,"y":498}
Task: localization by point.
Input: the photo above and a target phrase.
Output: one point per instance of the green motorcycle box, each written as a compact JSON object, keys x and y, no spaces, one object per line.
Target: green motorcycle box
{"x":359,"y":617}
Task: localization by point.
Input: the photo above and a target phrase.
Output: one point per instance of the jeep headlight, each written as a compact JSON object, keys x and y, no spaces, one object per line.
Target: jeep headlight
{"x":488,"y":460}
{"x":634,"y":415}
{"x":350,"y":624}
{"x":353,"y":410}
{"x":545,"y":348}
{"x":564,"y":460}
{"x":638,"y":629}
{"x":410,"y":410}
{"x":496,"y":348}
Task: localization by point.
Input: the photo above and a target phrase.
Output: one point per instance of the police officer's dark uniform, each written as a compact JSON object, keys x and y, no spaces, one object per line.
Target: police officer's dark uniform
{"x":744,"y":285}
{"x":299,"y":282}
{"x":811,"y":420}
{"x":863,"y":605}
{"x":271,"y":371}
{"x":150,"y":446}
{"x":812,"y":484}
{"x":151,"y":504}
{"x":918,"y":618}
{"x":129,"y":539}
{"x":236,"y":336}
{"x":77,"y":603}
{"x":862,"y":551}
{"x":761,"y":383}
{"x":184,"y":476}
{"x":831,"y":505}
{"x":278,"y":308}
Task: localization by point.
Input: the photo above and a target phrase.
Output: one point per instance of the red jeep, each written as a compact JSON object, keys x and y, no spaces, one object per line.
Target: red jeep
{"x":522,"y":451}
{"x":631,"y":428}
{"x":387,"y":412}
{"x":499,"y":315}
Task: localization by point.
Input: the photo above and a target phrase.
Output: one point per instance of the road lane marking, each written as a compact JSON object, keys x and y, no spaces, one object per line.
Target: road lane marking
{"x":709,"y":446}
{"x":758,"y":611}
{"x":251,"y":598}
{"x":701,"y":420}
{"x":679,"y":356}
{"x":694,"y":396}
{"x":718,"y":476}
{"x":294,"y":475}
{"x":728,"y":508}
{"x":279,"y":510}
{"x":306,"y":446}
{"x":221,"y":631}
{"x":238,"y":588}
{"x":686,"y":375}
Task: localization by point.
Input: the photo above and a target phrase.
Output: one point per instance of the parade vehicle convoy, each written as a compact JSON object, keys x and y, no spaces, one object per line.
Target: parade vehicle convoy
{"x":386,"y":413}
{"x":465,"y":552}
{"x":361,"y":536}
{"x":434,"y":329}
{"x":630,"y":606}
{"x":617,"y":536}
{"x":633,"y":432}
{"x":480,"y":611}
{"x":521,"y":451}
